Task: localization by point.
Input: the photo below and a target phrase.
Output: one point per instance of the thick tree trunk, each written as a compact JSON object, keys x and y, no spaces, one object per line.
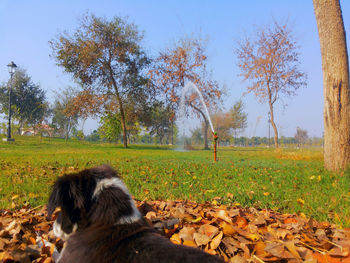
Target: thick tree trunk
{"x":335,"y":67}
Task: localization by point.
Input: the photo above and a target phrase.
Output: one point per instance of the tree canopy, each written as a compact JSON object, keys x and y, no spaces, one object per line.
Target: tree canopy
{"x":106,"y":55}
{"x":269,"y":61}
{"x":173,"y":68}
{"x":28,"y":99}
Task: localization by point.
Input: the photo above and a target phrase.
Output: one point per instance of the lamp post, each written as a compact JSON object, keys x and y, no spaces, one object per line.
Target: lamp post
{"x":11,"y":67}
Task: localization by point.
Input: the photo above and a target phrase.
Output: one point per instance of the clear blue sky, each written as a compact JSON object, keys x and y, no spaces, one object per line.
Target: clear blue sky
{"x":28,"y":25}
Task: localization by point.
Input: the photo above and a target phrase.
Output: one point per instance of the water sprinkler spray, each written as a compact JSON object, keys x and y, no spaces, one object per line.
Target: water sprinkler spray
{"x":215,"y":139}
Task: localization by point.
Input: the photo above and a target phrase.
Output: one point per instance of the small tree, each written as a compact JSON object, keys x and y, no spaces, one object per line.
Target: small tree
{"x":159,"y":120}
{"x":301,"y":136}
{"x":63,"y":119}
{"x":239,"y":118}
{"x":197,"y":136}
{"x":270,"y":62}
{"x":223,"y":125}
{"x":110,"y":128}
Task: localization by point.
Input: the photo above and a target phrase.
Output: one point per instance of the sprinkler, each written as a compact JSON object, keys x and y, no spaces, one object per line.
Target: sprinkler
{"x":215,"y":139}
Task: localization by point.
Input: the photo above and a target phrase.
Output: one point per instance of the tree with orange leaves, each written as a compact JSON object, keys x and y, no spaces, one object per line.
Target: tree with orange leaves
{"x":184,"y":62}
{"x":86,"y":104}
{"x":270,"y":63}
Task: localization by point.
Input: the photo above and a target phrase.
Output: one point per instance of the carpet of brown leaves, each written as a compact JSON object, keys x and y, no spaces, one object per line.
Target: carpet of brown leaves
{"x":236,"y":234}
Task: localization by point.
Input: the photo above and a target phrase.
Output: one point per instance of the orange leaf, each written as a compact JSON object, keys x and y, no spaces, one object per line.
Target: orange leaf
{"x":290,"y":220}
{"x":211,"y":251}
{"x":260,"y":249}
{"x":189,"y":243}
{"x":32,"y":240}
{"x":241,"y":222}
{"x":5,"y":256}
{"x":216,"y":241}
{"x":253,"y":237}
{"x":339,"y":252}
{"x":187,"y":233}
{"x":222,"y":214}
{"x":292,"y":249}
{"x":201,"y":239}
{"x":325,"y":258}
{"x":227,"y":228}
{"x":208,"y":230}
{"x":175,"y":239}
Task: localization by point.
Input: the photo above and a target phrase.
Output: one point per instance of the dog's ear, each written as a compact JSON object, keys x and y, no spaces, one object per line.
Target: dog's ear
{"x":66,"y":194}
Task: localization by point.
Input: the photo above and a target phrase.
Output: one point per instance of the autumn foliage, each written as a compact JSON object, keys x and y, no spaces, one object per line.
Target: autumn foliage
{"x":269,"y":62}
{"x":174,"y":67}
{"x":236,"y":234}
{"x":105,"y":56}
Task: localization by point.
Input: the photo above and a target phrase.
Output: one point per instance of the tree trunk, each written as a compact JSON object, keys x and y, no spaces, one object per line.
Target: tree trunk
{"x":122,"y":117}
{"x":206,"y":127}
{"x":272,"y":118}
{"x":273,"y":124}
{"x":172,"y":132}
{"x":121,"y":109}
{"x":335,"y":67}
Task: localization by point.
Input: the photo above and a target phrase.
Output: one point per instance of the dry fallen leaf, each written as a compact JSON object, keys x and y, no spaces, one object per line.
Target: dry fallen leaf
{"x":176,"y":239}
{"x":201,"y":239}
{"x":208,"y":230}
{"x":237,"y":234}
{"x":216,"y":241}
{"x":186,"y":234}
{"x":227,"y":228}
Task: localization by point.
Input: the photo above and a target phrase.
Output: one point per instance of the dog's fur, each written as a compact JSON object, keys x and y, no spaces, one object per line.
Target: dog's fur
{"x":100,"y":223}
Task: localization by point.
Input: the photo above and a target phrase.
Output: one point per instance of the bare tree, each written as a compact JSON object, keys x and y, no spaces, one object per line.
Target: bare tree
{"x":186,"y":61}
{"x":301,"y":136}
{"x":335,"y":67}
{"x":269,"y":61}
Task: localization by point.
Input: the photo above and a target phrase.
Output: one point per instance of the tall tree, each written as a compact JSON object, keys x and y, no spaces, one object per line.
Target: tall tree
{"x":184,"y":62}
{"x":105,"y":54}
{"x":335,"y":67}
{"x":270,"y":62}
{"x":28,"y":99}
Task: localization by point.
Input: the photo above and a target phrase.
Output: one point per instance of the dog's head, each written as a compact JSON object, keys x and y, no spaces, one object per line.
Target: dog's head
{"x":95,"y":196}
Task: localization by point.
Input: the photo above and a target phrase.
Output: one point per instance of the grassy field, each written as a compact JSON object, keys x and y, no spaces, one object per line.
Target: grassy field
{"x":292,"y":181}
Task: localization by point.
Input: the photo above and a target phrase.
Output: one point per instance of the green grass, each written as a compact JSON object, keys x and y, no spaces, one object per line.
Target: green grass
{"x":291,"y":181}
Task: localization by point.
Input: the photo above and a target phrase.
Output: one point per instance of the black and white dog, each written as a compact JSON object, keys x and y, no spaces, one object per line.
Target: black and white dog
{"x":100,"y":223}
